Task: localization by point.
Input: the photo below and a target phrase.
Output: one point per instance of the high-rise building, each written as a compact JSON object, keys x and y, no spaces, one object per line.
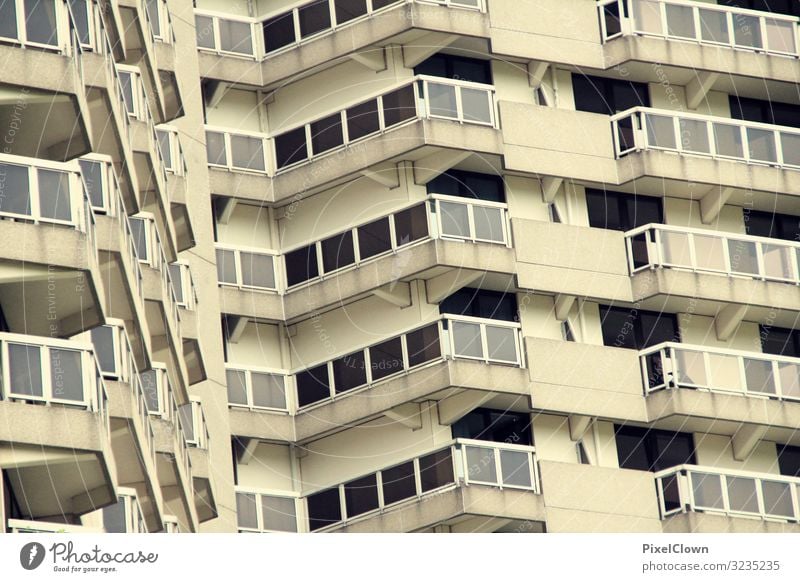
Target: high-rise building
{"x":400,"y":265}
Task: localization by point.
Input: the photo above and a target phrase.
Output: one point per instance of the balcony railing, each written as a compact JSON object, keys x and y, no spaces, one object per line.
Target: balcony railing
{"x":43,"y":527}
{"x":126,"y":515}
{"x":676,"y":365}
{"x":424,"y":98}
{"x":246,"y":268}
{"x":702,"y":23}
{"x":193,"y":421}
{"x":643,"y":128}
{"x":705,"y":251}
{"x":258,"y":38}
{"x":463,"y":462}
{"x":51,"y":372}
{"x":451,"y":337}
{"x":728,"y":492}
{"x":471,"y":220}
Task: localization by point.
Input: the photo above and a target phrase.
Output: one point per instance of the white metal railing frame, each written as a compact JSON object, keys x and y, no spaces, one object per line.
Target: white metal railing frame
{"x":257,"y":495}
{"x":197,"y":434}
{"x":94,"y":394}
{"x":135,"y":106}
{"x":655,"y":247}
{"x":152,"y":256}
{"x":461,"y":470}
{"x":125,"y":369}
{"x":248,"y":372}
{"x":459,"y":88}
{"x":679,"y":480}
{"x":94,"y":31}
{"x":471,"y":204}
{"x":227,"y":135}
{"x":78,"y":219}
{"x":177,"y":165}
{"x":62,"y":29}
{"x":181,"y":271}
{"x":172,"y":525}
{"x":157,"y":379}
{"x":640,"y":132}
{"x":42,"y":527}
{"x":165,"y":32}
{"x":669,"y":372}
{"x":237,"y":251}
{"x":451,"y":350}
{"x":625,"y":9}
{"x":109,"y":184}
{"x":257,"y":49}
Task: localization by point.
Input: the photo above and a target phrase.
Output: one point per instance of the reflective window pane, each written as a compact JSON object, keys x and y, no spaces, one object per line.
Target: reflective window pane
{"x":758,"y":374}
{"x":442,"y":100}
{"x":761,"y":145}
{"x":257,"y":270}
{"x":680,"y":21}
{"x":790,"y":146}
{"x":349,"y":372}
{"x":105,"y":348}
{"x":338,"y":252}
{"x":150,"y":390}
{"x":423,"y":345}
{"x":175,"y":275}
{"x":290,"y":147}
{"x":694,"y":135}
{"x":707,"y":490}
{"x":347,"y":10}
{"x":92,"y":174}
{"x":436,"y":470}
{"x":709,"y":252}
{"x":226,"y":266}
{"x":399,"y":106}
{"x":237,"y":388}
{"x":40,"y":21}
{"x":269,"y":390}
{"x":279,"y":32}
{"x":747,"y":31}
{"x":691,"y":368}
{"x":312,"y":385}
{"x":246,"y":510}
{"x":777,"y":498}
{"x":728,"y":140}
{"x":466,"y":339}
{"x":488,"y":223}
{"x":14,"y":190}
{"x":314,"y":18}
{"x":778,"y":261}
{"x":54,"y":199}
{"x":278,"y":513}
{"x":411,"y":225}
{"x":790,"y":379}
{"x":501,"y":344}
{"x":515,"y":468}
{"x":25,"y":370}
{"x":661,"y":131}
{"x":323,"y":509}
{"x":386,"y":358}
{"x":215,"y":148}
{"x":114,"y":518}
{"x":235,"y":37}
{"x":362,"y":120}
{"x":476,"y":105}
{"x":647,"y":16}
{"x":481,"y":464}
{"x":743,"y":256}
{"x":374,"y":238}
{"x":780,"y":35}
{"x":8,"y":19}
{"x":301,"y":265}
{"x":361,"y":495}
{"x":398,"y":483}
{"x":247,"y":152}
{"x":742,"y":494}
{"x":326,"y":134}
{"x":152,"y":15}
{"x":204,"y":31}
{"x":714,"y":26}
{"x":454,"y":219}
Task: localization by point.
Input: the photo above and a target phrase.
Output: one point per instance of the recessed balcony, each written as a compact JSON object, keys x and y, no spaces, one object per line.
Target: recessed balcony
{"x":175,"y":166}
{"x":291,"y":43}
{"x":710,"y":500}
{"x":462,"y":480}
{"x":415,"y":120}
{"x":56,"y":457}
{"x":439,"y":362}
{"x":125,"y":516}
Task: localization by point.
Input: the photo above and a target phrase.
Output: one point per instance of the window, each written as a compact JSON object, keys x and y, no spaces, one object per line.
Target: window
{"x":349,"y":372}
{"x":8,"y":19}
{"x":301,"y":265}
{"x":361,"y":495}
{"x":312,"y":385}
{"x":780,"y":341}
{"x":246,"y":515}
{"x":235,"y":37}
{"x":40,"y":21}
{"x":386,"y":358}
{"x":54,"y":199}
{"x":771,"y":225}
{"x":25,"y":370}
{"x":215,"y":148}
{"x":481,"y":303}
{"x":645,"y":449}
{"x":324,"y":509}
{"x":362,"y":119}
{"x":497,"y":426}
{"x":226,"y":266}
{"x":607,"y":96}
{"x":139,"y":229}
{"x":468,"y":185}
{"x":374,"y":238}
{"x":338,"y":251}
{"x":622,"y":211}
{"x":410,"y":225}
{"x":278,"y":513}
{"x":80,"y":16}
{"x":247,"y":152}
{"x":114,"y":518}
{"x":278,"y":32}
{"x":454,"y":67}
{"x":176,"y":276}
{"x":105,"y":348}
{"x":15,"y":191}
{"x":789,"y":460}
{"x":762,"y":111}
{"x":92,"y":174}
{"x":314,"y":18}
{"x":347,"y":10}
{"x":423,"y":345}
{"x":398,"y":483}
{"x":436,"y":470}
{"x":637,"y":329}
{"x":399,"y":106}
{"x":126,"y":81}
{"x":326,"y":134}
{"x":257,"y":270}
{"x":290,"y":147}
{"x":789,"y":7}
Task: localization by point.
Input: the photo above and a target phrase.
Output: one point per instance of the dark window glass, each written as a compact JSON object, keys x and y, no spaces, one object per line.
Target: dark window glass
{"x":278,"y":32}
{"x":338,"y":252}
{"x":15,"y":191}
{"x":411,"y":224}
{"x":611,"y":17}
{"x":314,"y":18}
{"x":79,"y":9}
{"x":374,"y":238}
{"x":349,"y":372}
{"x":399,"y":105}
{"x":398,"y":483}
{"x":8,"y":19}
{"x":378,"y":4}
{"x":481,"y":303}
{"x":312,"y":385}
{"x":40,"y":22}
{"x":386,"y":358}
{"x":780,"y":341}
{"x":497,"y":426}
{"x":92,"y":173}
{"x":789,"y":7}
{"x":290,"y":147}
{"x":436,"y":470}
{"x":104,"y":348}
{"x":423,"y":345}
{"x":771,"y":225}
{"x":114,"y":517}
{"x":468,"y":185}
{"x":455,"y":67}
{"x":324,"y":509}
{"x":326,"y":134}
{"x":789,"y":460}
{"x":139,"y":233}
{"x":361,"y":495}
{"x":607,"y":96}
{"x":347,"y":10}
{"x":301,"y":265}
{"x":637,"y":329}
{"x":362,"y":120}
{"x":25,"y":370}
{"x":54,"y":199}
{"x":622,"y":211}
{"x":653,"y":450}
{"x":763,"y":111}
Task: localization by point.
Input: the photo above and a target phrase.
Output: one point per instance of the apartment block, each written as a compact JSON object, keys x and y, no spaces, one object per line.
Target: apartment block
{"x":400,"y":266}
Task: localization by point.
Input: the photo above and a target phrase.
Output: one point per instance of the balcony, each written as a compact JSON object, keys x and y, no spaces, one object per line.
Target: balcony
{"x":159,"y":21}
{"x":174,"y":162}
{"x":193,"y":422}
{"x":688,"y":33}
{"x":437,"y":362}
{"x":55,"y":426}
{"x":43,"y":208}
{"x":50,"y":44}
{"x":286,"y":44}
{"x":464,"y":479}
{"x":401,"y":124}
{"x":706,"y":499}
{"x":425,"y":240}
{"x":125,"y":516}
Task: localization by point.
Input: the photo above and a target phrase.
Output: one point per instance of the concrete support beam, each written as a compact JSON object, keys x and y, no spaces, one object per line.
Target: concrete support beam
{"x":698,"y":88}
{"x":455,"y":407}
{"x":746,"y":439}
{"x":409,"y":415}
{"x":385,"y":174}
{"x":427,"y":168}
{"x":728,"y":319}
{"x":711,"y":204}
{"x":225,"y":208}
{"x":578,"y":425}
{"x":247,"y":451}
{"x":236,"y":327}
{"x":426,"y":46}
{"x":536,"y":72}
{"x":564,"y":305}
{"x":446,"y":284}
{"x":550,"y":186}
{"x":373,"y":58}
{"x":397,"y":293}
